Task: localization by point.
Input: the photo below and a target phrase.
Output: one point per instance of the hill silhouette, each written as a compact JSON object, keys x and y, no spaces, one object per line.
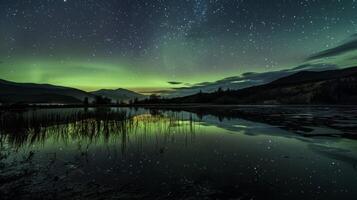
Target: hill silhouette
{"x":119,"y":94}
{"x":12,"y":92}
{"x":305,"y":87}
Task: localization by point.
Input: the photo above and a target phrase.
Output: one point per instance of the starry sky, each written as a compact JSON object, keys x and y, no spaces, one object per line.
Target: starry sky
{"x":154,"y":45}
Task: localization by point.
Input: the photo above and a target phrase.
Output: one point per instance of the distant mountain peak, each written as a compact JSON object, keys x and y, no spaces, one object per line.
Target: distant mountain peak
{"x":119,"y":94}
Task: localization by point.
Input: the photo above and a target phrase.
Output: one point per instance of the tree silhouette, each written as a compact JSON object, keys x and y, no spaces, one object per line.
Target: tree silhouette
{"x":100,"y":100}
{"x":86,"y":101}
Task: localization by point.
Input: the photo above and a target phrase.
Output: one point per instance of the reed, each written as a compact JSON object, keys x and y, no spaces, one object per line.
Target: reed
{"x":93,"y":127}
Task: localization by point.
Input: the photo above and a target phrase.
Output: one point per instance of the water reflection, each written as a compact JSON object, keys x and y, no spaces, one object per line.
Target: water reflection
{"x":97,"y":126}
{"x":210,"y":153}
{"x":27,"y":127}
{"x":305,"y":121}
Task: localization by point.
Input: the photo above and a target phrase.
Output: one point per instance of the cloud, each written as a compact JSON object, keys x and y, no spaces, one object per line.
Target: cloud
{"x":245,"y":80}
{"x":348,"y":46}
{"x":250,"y":79}
{"x":175,"y":83}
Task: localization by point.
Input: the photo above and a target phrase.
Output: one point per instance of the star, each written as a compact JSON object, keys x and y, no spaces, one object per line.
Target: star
{"x":196,"y":40}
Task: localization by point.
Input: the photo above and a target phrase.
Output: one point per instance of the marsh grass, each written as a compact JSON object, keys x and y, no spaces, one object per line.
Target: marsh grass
{"x":92,"y":127}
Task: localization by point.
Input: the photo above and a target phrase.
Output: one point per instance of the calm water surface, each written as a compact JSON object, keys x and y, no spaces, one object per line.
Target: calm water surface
{"x":188,"y":153}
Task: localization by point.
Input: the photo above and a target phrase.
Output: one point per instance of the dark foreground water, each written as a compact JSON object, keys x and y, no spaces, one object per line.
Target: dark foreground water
{"x":186,"y":153}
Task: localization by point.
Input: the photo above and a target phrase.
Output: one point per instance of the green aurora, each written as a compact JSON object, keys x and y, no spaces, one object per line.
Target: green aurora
{"x":93,"y":45}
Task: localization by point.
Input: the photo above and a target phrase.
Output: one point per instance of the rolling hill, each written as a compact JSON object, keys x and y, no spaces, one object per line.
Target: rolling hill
{"x":12,"y":92}
{"x":305,"y":87}
{"x":119,"y":94}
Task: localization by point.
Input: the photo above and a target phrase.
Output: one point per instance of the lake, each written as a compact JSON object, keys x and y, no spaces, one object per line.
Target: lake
{"x":192,"y":152}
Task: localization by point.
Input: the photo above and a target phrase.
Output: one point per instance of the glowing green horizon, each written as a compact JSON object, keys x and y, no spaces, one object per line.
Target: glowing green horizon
{"x":91,"y":75}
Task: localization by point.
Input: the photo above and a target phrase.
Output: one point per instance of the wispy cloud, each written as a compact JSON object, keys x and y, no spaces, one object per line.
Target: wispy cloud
{"x":346,"y":47}
{"x":245,"y":80}
{"x":174,"y":83}
{"x":250,"y":79}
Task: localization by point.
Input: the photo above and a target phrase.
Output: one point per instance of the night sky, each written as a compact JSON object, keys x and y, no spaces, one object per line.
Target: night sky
{"x":155,"y":45}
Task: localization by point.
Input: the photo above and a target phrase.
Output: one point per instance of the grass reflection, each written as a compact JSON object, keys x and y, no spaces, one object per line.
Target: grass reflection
{"x":87,"y":127}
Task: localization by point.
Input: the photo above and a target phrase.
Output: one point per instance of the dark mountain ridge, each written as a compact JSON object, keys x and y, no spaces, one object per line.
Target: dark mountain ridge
{"x":314,"y":76}
{"x":119,"y":94}
{"x":306,"y":87}
{"x":11,"y":92}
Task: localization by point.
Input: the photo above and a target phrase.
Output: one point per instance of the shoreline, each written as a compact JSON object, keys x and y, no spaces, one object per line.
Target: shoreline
{"x":20,"y":107}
